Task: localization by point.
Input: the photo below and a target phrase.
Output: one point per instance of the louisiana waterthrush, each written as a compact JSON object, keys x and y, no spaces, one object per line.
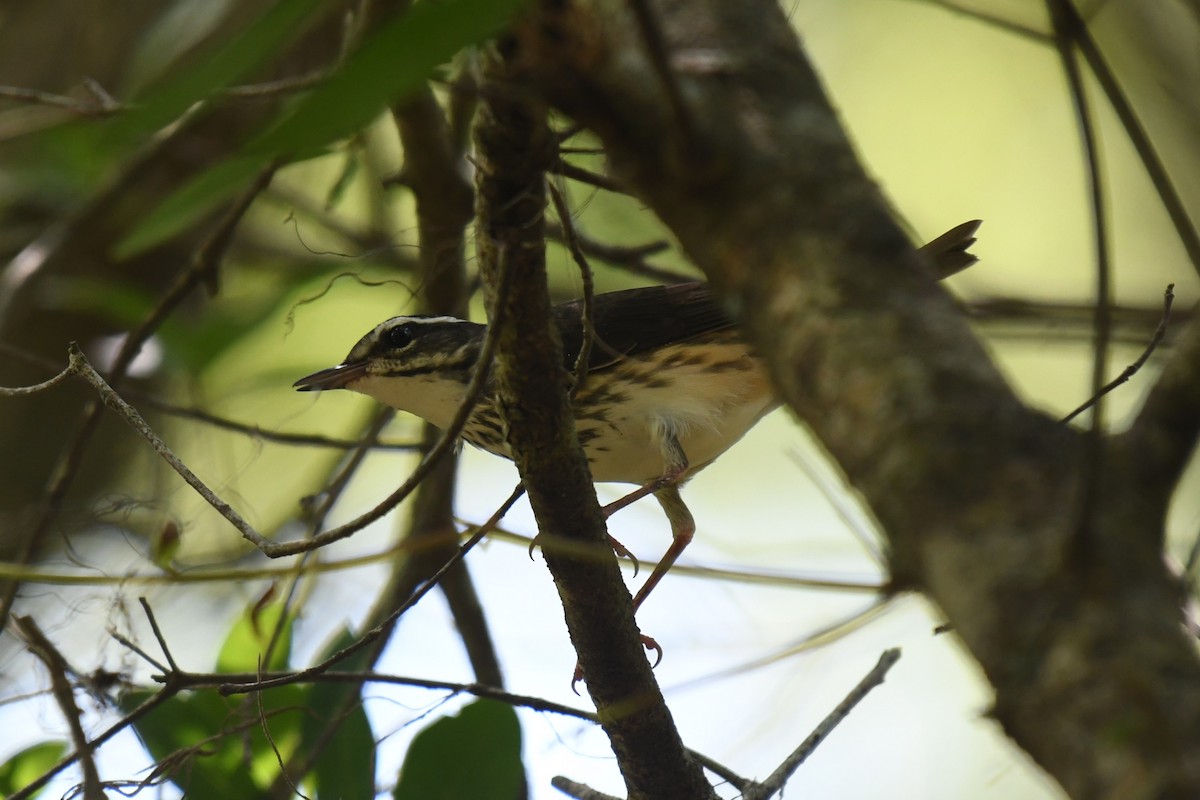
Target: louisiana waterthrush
{"x":670,"y":384}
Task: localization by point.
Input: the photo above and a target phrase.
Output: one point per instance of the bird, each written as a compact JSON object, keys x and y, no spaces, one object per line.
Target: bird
{"x":670,"y":384}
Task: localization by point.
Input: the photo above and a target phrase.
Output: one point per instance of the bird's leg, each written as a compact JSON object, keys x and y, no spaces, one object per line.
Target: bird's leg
{"x":676,"y":465}
{"x":682,"y":529}
{"x":666,"y":490}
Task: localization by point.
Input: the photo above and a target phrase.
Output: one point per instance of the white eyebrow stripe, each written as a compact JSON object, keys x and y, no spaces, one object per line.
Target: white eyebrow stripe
{"x":427,"y":320}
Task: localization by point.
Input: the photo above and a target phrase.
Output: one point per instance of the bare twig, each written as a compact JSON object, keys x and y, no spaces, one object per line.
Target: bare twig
{"x":1156,"y":171}
{"x":580,"y":791}
{"x":149,"y":659}
{"x":109,"y":397}
{"x":295,"y":83}
{"x":991,"y":20}
{"x":780,"y":776}
{"x":193,"y":413}
{"x":589,"y":288}
{"x":1132,"y":369}
{"x":158,"y":634}
{"x":1066,"y":29}
{"x":576,"y":173}
{"x":278,"y":549}
{"x":83,"y":108}
{"x":22,"y":391}
{"x":202,"y":270}
{"x":382,"y":629}
{"x":630,"y":258}
{"x":36,"y":785}
{"x":64,"y":695}
{"x":254,"y":431}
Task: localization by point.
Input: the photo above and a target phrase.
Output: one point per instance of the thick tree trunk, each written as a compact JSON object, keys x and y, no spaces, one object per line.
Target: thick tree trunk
{"x":1044,"y":554}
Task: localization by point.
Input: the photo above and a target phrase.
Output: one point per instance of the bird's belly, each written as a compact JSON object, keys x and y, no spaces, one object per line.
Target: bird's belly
{"x":706,"y":410}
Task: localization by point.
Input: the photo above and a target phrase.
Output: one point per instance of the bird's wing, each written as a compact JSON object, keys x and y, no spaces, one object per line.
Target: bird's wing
{"x":634,"y":321}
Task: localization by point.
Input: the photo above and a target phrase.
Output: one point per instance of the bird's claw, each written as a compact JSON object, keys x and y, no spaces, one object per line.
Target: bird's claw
{"x":651,"y":645}
{"x":648,"y":642}
{"x":622,"y":551}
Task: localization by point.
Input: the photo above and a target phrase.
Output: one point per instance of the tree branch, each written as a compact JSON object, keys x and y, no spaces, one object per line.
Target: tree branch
{"x":979,"y":496}
{"x":515,"y":147}
{"x":1163,"y":435}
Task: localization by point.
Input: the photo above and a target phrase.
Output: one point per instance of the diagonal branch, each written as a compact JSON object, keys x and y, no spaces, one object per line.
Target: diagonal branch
{"x":1165,"y":431}
{"x":975,"y":492}
{"x":514,"y":147}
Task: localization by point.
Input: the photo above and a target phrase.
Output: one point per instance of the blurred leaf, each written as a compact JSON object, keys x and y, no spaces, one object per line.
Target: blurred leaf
{"x":350,"y":170}
{"x":246,"y":643}
{"x":476,"y":754}
{"x":28,"y":765}
{"x":183,"y":25}
{"x":189,"y":344}
{"x":218,"y":733}
{"x":345,"y":766}
{"x":193,"y":721}
{"x":184,"y":207}
{"x":230,"y":61}
{"x":391,"y":63}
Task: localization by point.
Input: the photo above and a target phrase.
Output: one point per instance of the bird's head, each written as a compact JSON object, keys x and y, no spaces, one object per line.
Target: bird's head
{"x":404,"y":358}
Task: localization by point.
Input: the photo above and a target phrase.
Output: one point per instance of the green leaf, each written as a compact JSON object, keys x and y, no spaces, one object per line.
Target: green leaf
{"x":28,"y":765}
{"x":247,"y":49}
{"x":392,"y":63}
{"x":486,"y":736}
{"x":211,"y":735}
{"x":345,"y":766}
{"x":194,"y":721}
{"x":248,"y":641}
{"x":187,"y":205}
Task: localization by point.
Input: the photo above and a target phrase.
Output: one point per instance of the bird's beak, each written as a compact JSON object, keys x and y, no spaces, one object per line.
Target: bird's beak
{"x":333,"y":378}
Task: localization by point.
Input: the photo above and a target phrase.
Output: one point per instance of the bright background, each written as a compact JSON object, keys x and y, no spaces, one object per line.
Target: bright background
{"x":958,"y":119}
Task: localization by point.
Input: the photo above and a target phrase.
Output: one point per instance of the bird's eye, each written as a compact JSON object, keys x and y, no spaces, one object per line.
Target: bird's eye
{"x":399,"y":336}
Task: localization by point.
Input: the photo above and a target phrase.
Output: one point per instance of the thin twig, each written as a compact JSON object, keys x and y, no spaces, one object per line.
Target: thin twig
{"x":202,"y":270}
{"x":990,"y":20}
{"x":1132,"y":369}
{"x":382,"y":629}
{"x":81,"y":367}
{"x":158,"y":634}
{"x":780,"y":776}
{"x":579,"y":791}
{"x":576,"y":173}
{"x":1156,"y":171}
{"x":295,"y":83}
{"x":254,"y":431}
{"x":22,"y":391}
{"x":194,"y":413}
{"x":36,"y":785}
{"x":629,"y":258}
{"x":278,"y":549}
{"x":1065,"y":35}
{"x":723,"y":772}
{"x":266,"y":729}
{"x":122,"y":639}
{"x":589,"y":288}
{"x":64,"y":695}
{"x":81,"y":107}
{"x":252,"y":682}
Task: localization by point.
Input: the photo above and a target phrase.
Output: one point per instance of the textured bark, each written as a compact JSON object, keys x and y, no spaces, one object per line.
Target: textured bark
{"x":514,"y":148}
{"x":1067,"y":608}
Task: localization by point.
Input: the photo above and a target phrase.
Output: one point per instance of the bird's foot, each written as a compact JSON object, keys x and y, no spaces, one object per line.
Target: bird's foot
{"x":648,"y":642}
{"x":618,"y":548}
{"x":622,"y":551}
